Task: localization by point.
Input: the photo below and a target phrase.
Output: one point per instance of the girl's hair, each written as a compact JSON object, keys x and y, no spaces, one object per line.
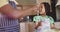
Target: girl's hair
{"x":47,"y":8}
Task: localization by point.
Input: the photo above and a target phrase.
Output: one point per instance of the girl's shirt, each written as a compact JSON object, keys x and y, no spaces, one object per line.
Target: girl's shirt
{"x":46,"y":21}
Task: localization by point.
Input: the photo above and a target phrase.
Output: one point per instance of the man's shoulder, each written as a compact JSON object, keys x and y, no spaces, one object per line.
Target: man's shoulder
{"x":3,"y":2}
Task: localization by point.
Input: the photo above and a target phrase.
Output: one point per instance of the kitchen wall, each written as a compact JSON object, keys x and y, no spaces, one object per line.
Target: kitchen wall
{"x":28,"y":6}
{"x":58,"y":14}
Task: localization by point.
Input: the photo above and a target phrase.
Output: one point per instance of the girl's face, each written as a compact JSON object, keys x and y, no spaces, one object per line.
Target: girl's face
{"x":42,"y":9}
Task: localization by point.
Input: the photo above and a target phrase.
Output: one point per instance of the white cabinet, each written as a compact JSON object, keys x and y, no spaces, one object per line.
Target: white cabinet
{"x":27,"y":27}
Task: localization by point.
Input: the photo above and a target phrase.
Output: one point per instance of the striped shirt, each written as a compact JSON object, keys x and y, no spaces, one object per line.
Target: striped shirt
{"x":7,"y":23}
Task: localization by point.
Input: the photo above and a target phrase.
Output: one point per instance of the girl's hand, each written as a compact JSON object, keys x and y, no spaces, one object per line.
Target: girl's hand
{"x":39,"y":23}
{"x":52,"y":26}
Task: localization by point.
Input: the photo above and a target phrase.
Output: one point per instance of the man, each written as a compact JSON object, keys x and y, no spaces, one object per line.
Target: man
{"x":9,"y":16}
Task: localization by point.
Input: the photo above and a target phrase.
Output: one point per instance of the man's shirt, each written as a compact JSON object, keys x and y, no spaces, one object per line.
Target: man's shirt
{"x":6,"y":21}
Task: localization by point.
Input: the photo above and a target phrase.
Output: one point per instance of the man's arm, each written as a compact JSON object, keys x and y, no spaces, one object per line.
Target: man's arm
{"x":10,"y":11}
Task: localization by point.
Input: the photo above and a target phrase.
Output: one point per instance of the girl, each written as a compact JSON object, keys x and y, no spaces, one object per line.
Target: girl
{"x":44,"y":22}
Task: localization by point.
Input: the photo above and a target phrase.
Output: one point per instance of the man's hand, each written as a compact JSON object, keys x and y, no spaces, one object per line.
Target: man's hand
{"x":30,"y":11}
{"x":33,"y":10}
